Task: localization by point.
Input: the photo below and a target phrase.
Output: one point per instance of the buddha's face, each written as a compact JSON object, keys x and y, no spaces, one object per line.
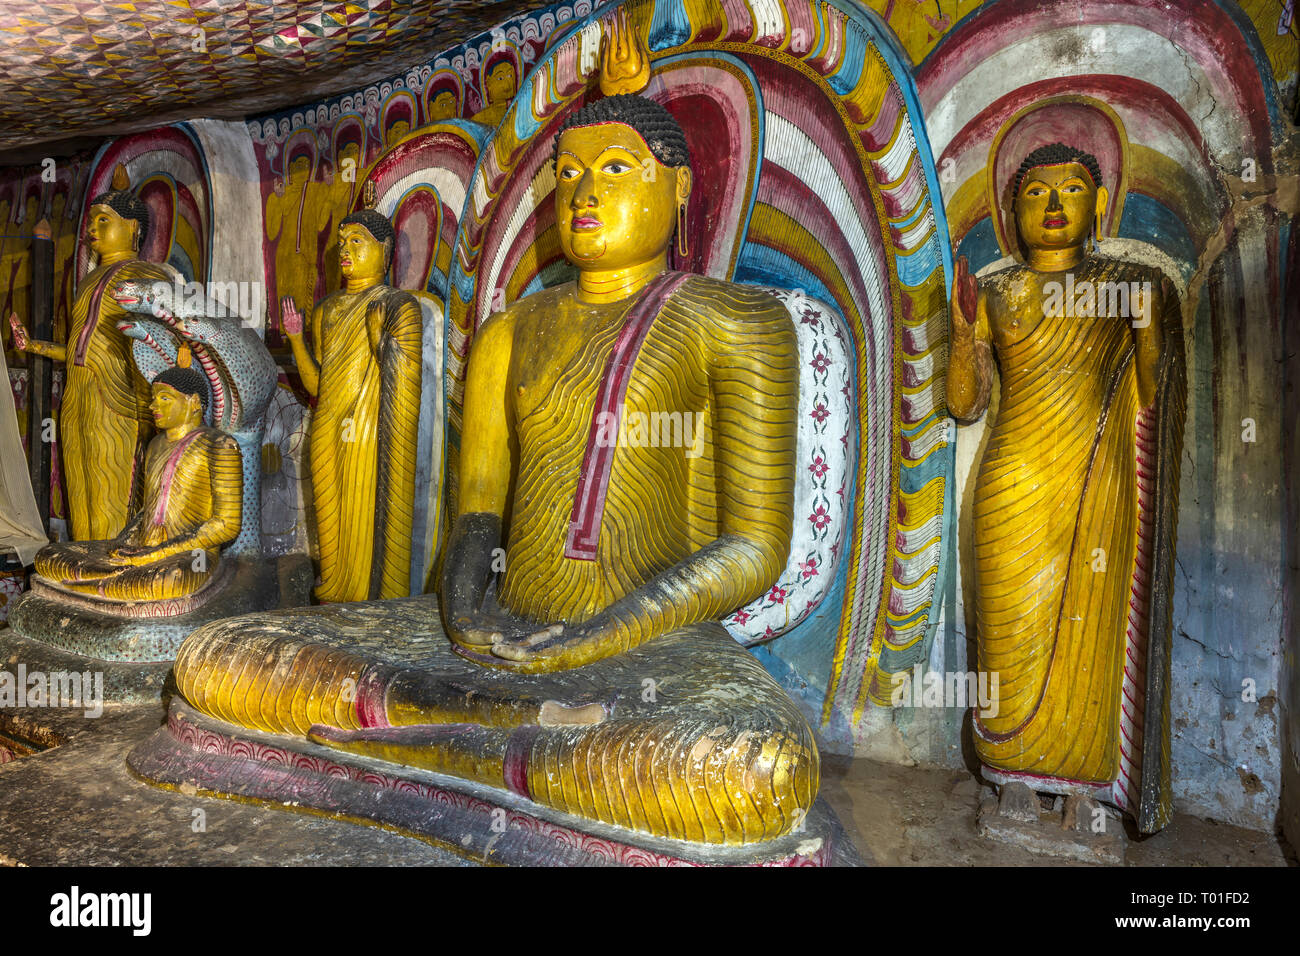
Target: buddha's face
{"x":109,"y":233}
{"x":615,"y":204}
{"x":1057,"y":205}
{"x":172,"y":409}
{"x":443,"y":107}
{"x":361,"y":255}
{"x":398,"y":130}
{"x":299,"y":169}
{"x":500,"y":83}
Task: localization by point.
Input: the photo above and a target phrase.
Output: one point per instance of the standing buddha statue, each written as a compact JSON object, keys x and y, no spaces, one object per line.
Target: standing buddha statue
{"x":104,"y":423}
{"x":620,"y":558}
{"x":1075,"y":504}
{"x":364,"y":368}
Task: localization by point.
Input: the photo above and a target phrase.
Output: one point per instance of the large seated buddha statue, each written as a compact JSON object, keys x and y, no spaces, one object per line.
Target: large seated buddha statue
{"x":591,"y":678}
{"x":1075,"y":503}
{"x":171,"y":547}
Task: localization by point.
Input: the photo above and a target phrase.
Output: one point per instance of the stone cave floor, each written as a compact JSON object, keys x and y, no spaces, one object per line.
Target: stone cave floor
{"x":76,"y":803}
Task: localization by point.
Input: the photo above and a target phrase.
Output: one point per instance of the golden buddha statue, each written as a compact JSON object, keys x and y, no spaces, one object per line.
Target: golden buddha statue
{"x":104,"y":420}
{"x":364,"y":367}
{"x":500,"y":85}
{"x":1075,"y":501}
{"x":171,"y":547}
{"x":619,"y":557}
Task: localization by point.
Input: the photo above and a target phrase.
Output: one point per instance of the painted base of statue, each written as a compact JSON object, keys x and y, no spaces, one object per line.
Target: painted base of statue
{"x":682,"y":749}
{"x":109,"y":629}
{"x":52,"y":629}
{"x":1072,"y":827}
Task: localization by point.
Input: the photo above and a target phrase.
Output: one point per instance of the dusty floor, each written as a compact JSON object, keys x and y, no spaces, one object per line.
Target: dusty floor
{"x":913,"y":816}
{"x":77,"y":803}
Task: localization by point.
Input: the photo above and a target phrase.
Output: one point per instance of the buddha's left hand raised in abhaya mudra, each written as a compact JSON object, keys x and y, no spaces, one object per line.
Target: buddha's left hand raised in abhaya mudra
{"x":629,"y":514}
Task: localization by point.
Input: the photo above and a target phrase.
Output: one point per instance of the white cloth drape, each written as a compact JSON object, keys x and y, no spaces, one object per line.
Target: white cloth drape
{"x":20,"y":522}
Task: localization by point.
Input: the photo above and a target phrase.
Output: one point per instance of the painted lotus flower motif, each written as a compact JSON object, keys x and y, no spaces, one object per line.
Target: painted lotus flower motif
{"x":820,"y":517}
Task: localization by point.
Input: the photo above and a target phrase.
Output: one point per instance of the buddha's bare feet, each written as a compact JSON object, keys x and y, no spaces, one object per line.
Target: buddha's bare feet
{"x":1088,"y":818}
{"x":1086,"y":830}
{"x":1017,"y":802}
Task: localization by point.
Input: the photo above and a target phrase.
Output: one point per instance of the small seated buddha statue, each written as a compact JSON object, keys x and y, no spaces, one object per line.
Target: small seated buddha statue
{"x":104,"y":418}
{"x":364,"y":368}
{"x":192,"y":502}
{"x":597,"y":681}
{"x":1075,"y":503}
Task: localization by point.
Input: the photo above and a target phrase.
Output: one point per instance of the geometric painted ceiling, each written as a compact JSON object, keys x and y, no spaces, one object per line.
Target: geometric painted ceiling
{"x":93,"y":67}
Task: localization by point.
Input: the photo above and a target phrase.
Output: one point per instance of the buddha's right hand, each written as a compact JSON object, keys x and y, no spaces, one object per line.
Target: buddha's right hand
{"x":291,"y":322}
{"x":482,"y":629}
{"x":20,"y":340}
{"x":965,"y":299}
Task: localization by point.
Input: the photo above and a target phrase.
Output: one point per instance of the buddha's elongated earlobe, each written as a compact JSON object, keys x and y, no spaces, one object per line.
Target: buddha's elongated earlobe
{"x":683,"y":243}
{"x":1103,"y":198}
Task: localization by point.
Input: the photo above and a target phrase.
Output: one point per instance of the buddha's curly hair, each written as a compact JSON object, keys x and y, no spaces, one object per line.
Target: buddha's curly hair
{"x":1054,"y":154}
{"x":127,"y":205}
{"x":377,"y":224}
{"x":187,"y":381}
{"x":651,"y":120}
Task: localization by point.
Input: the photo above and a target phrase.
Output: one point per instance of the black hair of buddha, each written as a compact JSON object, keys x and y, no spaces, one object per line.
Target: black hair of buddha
{"x":127,"y":205}
{"x":187,"y":381}
{"x":1054,"y":154}
{"x":380,"y":229}
{"x":661,"y":132}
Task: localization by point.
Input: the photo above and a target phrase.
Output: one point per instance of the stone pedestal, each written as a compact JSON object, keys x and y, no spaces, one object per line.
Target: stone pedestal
{"x":1075,"y":828}
{"x":133,"y":653}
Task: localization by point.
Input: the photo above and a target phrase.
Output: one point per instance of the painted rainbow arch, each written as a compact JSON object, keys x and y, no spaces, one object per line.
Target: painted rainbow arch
{"x":168,"y":170}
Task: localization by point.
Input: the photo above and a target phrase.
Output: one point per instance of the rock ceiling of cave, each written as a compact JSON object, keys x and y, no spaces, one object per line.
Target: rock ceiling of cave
{"x":77,"y":69}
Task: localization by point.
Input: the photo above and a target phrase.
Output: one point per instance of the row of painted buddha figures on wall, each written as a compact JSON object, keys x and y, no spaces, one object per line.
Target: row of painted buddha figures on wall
{"x":619,"y":562}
